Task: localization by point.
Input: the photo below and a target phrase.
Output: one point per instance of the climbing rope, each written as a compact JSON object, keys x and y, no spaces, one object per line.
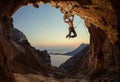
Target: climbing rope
{"x":68,"y":14}
{"x":83,"y":26}
{"x":86,"y":30}
{"x":78,"y":24}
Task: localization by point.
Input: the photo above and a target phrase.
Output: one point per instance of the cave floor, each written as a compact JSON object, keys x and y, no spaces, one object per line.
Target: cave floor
{"x":40,"y":78}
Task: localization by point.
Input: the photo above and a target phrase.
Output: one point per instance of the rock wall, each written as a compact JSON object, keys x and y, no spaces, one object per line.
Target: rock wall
{"x":26,"y":58}
{"x":72,"y":64}
{"x":18,"y":56}
{"x":102,"y":19}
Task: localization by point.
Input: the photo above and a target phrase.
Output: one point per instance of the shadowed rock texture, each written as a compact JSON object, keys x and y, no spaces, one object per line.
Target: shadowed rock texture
{"x":102,"y":18}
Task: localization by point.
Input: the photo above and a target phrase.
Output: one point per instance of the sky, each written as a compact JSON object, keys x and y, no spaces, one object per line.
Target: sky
{"x":45,"y":29}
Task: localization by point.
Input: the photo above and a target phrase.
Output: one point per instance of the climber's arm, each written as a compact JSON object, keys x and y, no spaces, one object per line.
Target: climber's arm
{"x":72,"y":17}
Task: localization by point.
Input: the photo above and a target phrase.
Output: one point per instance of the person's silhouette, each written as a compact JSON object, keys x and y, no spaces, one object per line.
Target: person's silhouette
{"x":69,"y":20}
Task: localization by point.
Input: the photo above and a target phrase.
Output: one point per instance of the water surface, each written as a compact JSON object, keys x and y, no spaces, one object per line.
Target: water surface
{"x":57,"y":60}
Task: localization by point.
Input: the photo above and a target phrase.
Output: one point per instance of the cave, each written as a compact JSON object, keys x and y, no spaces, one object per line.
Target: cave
{"x":102,"y":21}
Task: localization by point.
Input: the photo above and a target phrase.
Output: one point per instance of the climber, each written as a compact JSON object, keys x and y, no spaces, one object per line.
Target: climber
{"x":69,"y":20}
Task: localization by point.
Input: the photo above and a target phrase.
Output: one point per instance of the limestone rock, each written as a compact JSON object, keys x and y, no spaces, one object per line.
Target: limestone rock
{"x":28,"y":59}
{"x":73,"y":63}
{"x":102,"y":18}
{"x":18,"y":36}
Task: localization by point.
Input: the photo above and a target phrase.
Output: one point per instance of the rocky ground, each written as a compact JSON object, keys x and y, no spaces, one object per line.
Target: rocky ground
{"x":40,"y":78}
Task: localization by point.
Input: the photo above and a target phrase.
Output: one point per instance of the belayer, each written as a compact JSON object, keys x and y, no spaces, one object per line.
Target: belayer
{"x":69,"y":21}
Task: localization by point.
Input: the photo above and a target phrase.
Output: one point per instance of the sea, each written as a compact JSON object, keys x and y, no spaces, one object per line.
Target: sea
{"x":59,"y":58}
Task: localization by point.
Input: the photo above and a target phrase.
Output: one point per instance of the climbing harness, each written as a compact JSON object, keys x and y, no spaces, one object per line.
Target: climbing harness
{"x":68,"y":15}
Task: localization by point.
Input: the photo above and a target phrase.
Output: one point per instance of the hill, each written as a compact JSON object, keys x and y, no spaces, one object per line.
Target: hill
{"x":77,"y":50}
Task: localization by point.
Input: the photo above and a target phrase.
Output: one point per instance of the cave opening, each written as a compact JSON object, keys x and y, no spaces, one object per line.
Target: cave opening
{"x":45,"y":30}
{"x":102,"y":21}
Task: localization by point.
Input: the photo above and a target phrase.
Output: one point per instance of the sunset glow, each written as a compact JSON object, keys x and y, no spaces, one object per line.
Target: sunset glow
{"x":45,"y":28}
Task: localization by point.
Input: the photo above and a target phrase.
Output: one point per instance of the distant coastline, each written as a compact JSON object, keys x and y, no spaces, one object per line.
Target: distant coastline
{"x":64,"y":52}
{"x":56,"y":53}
